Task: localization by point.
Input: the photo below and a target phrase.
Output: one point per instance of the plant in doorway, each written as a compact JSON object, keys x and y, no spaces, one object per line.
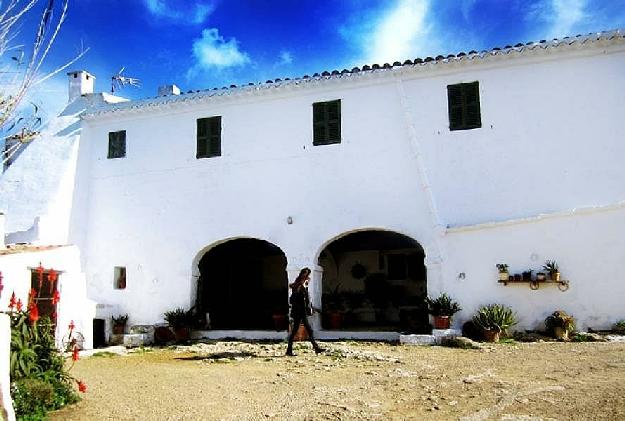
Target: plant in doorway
{"x":119,"y":324}
{"x":442,"y":309}
{"x":180,"y":321}
{"x":333,"y":308}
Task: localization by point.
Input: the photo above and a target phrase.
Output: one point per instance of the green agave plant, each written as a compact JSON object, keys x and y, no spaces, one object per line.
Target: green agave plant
{"x":495,"y":316}
{"x":442,"y":306}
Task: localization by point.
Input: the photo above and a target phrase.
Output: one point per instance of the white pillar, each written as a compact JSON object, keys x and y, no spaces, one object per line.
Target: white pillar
{"x":6,"y":405}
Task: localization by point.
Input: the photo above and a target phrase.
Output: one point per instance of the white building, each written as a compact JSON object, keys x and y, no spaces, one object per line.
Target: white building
{"x":358,"y":174}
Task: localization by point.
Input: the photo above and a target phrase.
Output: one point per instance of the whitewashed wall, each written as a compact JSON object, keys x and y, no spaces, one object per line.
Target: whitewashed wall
{"x":73,"y":305}
{"x":549,"y":142}
{"x":6,"y":404}
{"x":588,"y":245}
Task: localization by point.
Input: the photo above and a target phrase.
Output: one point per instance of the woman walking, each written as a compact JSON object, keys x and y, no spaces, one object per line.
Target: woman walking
{"x":301,"y":308}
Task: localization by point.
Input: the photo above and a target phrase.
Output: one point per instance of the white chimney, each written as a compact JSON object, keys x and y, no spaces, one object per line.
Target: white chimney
{"x":80,"y":83}
{"x":168,"y":90}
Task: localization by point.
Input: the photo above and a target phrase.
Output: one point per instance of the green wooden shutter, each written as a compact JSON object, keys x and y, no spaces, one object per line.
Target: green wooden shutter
{"x":472,"y":118}
{"x":463,"y":101}
{"x":454,"y":101}
{"x":326,"y":122}
{"x":117,"y":144}
{"x":208,"y":137}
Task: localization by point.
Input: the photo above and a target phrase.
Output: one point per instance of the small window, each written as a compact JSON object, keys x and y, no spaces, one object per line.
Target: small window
{"x":119,"y":277}
{"x":208,"y":137}
{"x":327,"y":122}
{"x":464,"y":106}
{"x":117,"y":144}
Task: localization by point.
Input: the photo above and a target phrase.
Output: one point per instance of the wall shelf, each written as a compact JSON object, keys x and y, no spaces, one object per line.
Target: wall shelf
{"x":534,"y":284}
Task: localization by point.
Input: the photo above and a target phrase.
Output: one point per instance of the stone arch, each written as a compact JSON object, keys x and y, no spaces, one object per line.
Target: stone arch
{"x":376,"y":279}
{"x":241,"y":282}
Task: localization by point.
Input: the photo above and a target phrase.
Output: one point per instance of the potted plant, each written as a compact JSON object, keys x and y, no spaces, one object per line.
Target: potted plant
{"x":494,"y":320}
{"x":180,"y":321}
{"x":442,"y":309}
{"x":119,"y":324}
{"x":551,"y":266}
{"x":560,"y":324}
{"x":503,"y":271}
{"x":333,"y":308}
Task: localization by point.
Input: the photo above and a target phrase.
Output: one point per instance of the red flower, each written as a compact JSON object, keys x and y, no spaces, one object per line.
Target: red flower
{"x":56,"y":297}
{"x":34,"y":313}
{"x":75,"y":355}
{"x":32,"y":294}
{"x":12,"y":301}
{"x":53,"y":315}
{"x":40,"y":270}
{"x":71,"y":326}
{"x":82,"y":387}
{"x":52,"y":277}
{"x":19,"y":304}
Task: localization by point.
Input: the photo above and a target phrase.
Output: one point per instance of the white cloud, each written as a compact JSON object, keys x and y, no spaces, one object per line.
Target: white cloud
{"x":284,"y":58}
{"x":212,"y":51}
{"x":466,"y":6}
{"x":176,"y":11}
{"x":559,"y":17}
{"x":400,"y":32}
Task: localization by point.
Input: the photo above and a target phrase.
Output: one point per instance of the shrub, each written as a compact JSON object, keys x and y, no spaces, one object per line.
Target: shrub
{"x":39,"y":380}
{"x":442,"y":306}
{"x":122,"y":319}
{"x":179,"y":318}
{"x":495,"y":317}
{"x":620,"y":326}
{"x":561,"y":319}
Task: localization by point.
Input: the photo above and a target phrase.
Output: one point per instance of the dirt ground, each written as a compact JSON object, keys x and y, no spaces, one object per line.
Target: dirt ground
{"x":251,"y":381}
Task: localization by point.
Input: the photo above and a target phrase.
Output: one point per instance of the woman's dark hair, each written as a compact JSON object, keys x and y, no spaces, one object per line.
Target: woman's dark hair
{"x":303,"y":274}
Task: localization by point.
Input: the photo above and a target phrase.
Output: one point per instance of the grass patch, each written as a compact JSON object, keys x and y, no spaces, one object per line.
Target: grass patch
{"x":104,"y":354}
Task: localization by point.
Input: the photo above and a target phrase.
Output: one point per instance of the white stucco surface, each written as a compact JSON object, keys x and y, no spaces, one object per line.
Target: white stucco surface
{"x":73,"y":305}
{"x":550,"y":143}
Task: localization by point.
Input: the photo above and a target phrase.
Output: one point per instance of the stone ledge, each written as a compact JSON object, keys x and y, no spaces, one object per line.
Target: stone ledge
{"x":437,"y":336}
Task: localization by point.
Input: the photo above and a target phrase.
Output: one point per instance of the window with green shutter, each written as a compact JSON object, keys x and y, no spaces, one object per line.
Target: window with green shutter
{"x":464,"y":106}
{"x":208,"y":137}
{"x":327,"y":122}
{"x":117,"y":144}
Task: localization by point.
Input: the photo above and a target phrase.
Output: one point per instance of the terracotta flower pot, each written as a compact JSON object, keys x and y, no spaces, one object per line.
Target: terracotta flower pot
{"x":503,"y":276}
{"x":301,"y":334}
{"x":442,"y":322}
{"x":181,"y":334}
{"x":335,"y":320}
{"x":491,"y":335}
{"x":560,"y":333}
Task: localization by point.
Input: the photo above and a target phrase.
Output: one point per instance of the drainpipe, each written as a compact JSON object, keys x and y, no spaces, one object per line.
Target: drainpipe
{"x":433,"y":263}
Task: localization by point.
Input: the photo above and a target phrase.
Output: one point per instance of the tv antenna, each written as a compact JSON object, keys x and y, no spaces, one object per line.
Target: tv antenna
{"x":119,"y":80}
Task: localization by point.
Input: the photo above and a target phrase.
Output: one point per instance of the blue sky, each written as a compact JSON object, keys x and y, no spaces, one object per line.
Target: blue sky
{"x":213,"y":43}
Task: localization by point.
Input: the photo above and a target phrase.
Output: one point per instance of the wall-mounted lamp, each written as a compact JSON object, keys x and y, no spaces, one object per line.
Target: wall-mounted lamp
{"x":462,"y":275}
{"x":289,"y":220}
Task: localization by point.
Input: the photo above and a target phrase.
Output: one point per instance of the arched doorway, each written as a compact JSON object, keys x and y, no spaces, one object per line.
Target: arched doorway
{"x":374,"y":280}
{"x":242,"y":284}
